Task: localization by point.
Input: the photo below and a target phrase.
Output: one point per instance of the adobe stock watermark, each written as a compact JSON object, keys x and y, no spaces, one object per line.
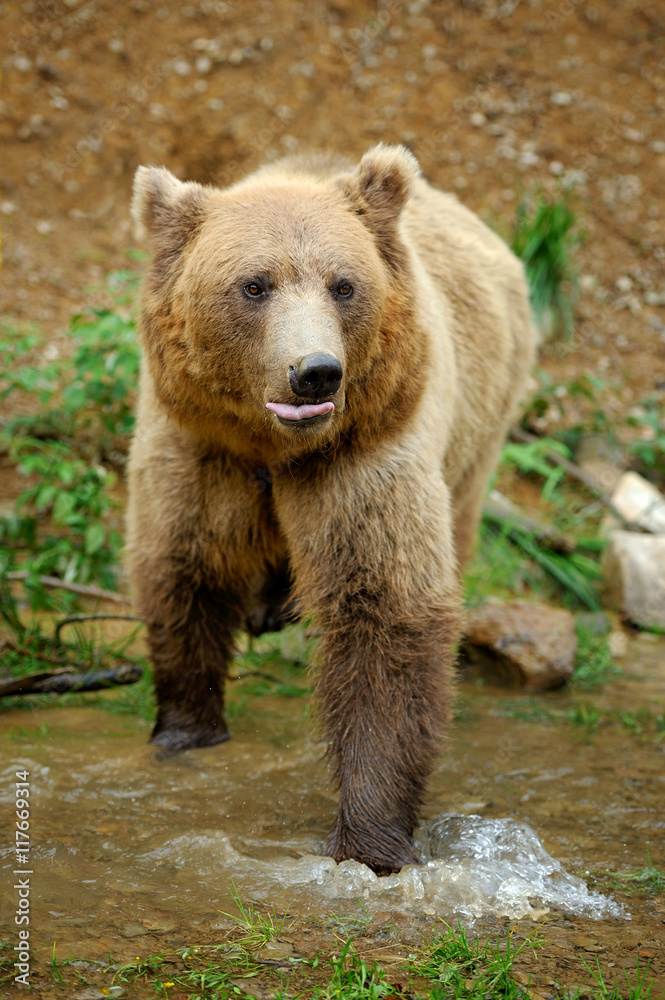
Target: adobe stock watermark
{"x":22,"y":884}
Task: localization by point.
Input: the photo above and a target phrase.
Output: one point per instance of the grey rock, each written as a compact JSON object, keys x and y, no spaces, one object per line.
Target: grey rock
{"x":634,"y":576}
{"x":640,"y":502}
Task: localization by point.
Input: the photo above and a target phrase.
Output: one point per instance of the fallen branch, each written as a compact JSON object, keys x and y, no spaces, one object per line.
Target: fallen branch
{"x":91,"y":618}
{"x":521,"y":436}
{"x":68,"y":679}
{"x":503,"y":511}
{"x":84,"y":589}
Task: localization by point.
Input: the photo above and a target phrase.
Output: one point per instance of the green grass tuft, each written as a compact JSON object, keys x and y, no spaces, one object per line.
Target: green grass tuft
{"x":544,"y":237}
{"x":473,"y":970}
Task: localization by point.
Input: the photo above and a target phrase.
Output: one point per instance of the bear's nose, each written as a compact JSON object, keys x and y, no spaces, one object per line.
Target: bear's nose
{"x":316,"y":375}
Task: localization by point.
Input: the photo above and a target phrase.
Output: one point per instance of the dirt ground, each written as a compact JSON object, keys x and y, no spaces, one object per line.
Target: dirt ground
{"x":493,"y":96}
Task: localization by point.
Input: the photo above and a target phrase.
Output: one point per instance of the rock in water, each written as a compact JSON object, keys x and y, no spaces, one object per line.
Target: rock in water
{"x":521,"y":643}
{"x":634,"y":576}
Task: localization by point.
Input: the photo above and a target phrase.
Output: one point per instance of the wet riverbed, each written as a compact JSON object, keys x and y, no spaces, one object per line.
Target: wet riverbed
{"x":534,"y":802}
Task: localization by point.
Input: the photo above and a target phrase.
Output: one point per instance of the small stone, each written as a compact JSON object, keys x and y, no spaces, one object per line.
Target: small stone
{"x":588,"y":282}
{"x":306,"y":69}
{"x":116,"y":45}
{"x":634,"y":576}
{"x":561,"y":98}
{"x":203,"y":64}
{"x":588,"y":944}
{"x":633,"y":135}
{"x":44,"y":227}
{"x":528,"y":159}
{"x":181,"y":66}
{"x":236,"y":57}
{"x":521,"y":642}
{"x":158,"y":926}
{"x":275,"y":951}
{"x":7,"y":207}
{"x":556,"y":167}
{"x":477,"y":119}
{"x":22,"y":64}
{"x":133,"y":930}
{"x":658,"y":146}
{"x":249,"y":988}
{"x":624,"y":283}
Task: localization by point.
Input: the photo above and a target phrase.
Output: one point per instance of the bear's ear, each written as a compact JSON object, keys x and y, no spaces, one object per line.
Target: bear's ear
{"x":164,"y":207}
{"x":379,"y":188}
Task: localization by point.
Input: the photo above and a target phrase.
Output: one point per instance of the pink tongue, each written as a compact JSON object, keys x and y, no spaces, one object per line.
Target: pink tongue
{"x":288,"y":412}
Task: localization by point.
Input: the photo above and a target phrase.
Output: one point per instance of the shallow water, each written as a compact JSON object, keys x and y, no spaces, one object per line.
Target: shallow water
{"x":126,"y":845}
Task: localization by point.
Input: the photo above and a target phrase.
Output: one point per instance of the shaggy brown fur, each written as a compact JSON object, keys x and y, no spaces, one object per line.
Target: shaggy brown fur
{"x":366,"y":513}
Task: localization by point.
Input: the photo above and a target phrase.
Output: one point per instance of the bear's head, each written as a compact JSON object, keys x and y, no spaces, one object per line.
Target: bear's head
{"x":269,"y":308}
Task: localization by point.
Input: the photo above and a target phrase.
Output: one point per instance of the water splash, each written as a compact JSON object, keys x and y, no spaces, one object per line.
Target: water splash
{"x":472,"y":867}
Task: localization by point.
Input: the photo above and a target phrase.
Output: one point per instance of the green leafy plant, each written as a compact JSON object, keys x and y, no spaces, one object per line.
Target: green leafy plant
{"x":70,"y":424}
{"x":60,"y":526}
{"x":85,"y":398}
{"x":544,"y":237}
{"x":531,"y":459}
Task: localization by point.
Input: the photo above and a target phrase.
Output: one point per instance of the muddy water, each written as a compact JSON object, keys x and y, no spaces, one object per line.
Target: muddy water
{"x":126,"y":846}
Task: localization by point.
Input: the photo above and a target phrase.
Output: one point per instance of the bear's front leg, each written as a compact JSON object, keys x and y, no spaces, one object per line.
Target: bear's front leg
{"x":197,"y":542}
{"x":190,"y":632}
{"x":372,"y":555}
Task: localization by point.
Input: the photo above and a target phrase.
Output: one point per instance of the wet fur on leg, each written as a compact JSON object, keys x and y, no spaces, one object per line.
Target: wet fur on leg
{"x":190,"y":656}
{"x":386,"y":693}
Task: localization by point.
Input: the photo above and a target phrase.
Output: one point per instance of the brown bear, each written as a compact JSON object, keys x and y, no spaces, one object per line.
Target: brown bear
{"x":333,"y":353}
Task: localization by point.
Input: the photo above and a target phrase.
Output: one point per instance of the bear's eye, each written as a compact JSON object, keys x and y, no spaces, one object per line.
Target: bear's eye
{"x":253,"y":290}
{"x":344,"y":290}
